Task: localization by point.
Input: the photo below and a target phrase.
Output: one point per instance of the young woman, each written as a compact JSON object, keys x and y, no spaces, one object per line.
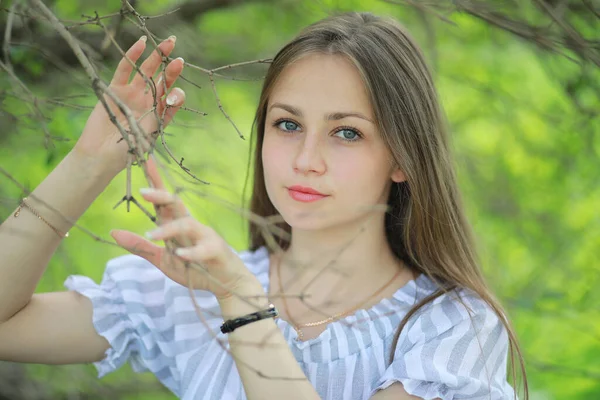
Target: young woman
{"x":352,"y":154}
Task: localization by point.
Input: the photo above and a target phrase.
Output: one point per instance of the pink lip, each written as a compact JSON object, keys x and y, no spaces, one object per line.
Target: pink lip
{"x":305,"y":194}
{"x":305,"y":189}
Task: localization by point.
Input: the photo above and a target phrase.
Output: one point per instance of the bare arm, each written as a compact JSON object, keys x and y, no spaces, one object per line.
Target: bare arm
{"x":27,"y":244}
{"x":54,"y":328}
{"x":57,"y":328}
{"x":38,"y":328}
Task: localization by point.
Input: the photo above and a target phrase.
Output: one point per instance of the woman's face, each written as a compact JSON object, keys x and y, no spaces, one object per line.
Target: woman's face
{"x":312,"y":141}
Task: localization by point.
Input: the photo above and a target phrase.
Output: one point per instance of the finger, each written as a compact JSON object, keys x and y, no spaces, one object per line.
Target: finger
{"x":202,"y":252}
{"x":152,"y":170}
{"x":137,"y":245}
{"x":187,"y":227}
{"x":174,"y":101}
{"x":156,"y":181}
{"x":170,"y":206}
{"x":167,"y":78}
{"x":123,"y":71}
{"x":150,"y":65}
{"x":158,"y":256}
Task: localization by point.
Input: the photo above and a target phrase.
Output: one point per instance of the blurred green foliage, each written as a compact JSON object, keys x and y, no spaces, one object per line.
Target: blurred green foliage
{"x":526,"y":155}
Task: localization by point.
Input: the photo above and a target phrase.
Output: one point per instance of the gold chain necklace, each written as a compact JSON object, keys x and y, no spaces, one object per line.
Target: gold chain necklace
{"x":298,"y":327}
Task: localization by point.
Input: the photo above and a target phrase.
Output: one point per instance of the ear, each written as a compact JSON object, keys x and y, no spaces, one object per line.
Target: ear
{"x":398,"y":175}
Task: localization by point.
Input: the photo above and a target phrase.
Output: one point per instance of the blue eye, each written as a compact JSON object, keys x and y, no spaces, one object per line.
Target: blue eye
{"x":350,"y":134}
{"x":354,"y":136}
{"x":288,"y":125}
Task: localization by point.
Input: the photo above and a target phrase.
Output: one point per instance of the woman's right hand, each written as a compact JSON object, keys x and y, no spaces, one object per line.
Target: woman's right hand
{"x":101,"y":140}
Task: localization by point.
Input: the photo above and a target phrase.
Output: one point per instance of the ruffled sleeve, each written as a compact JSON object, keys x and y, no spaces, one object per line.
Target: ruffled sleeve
{"x":445,"y":353}
{"x":129,"y":310}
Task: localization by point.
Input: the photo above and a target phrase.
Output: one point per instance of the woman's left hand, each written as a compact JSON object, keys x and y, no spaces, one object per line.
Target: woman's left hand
{"x":205,"y":248}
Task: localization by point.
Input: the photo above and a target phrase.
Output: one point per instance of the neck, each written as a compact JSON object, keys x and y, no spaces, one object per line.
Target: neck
{"x":339,"y":262}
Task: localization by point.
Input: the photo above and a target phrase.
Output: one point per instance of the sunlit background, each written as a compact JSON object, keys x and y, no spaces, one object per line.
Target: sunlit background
{"x":525,"y":127}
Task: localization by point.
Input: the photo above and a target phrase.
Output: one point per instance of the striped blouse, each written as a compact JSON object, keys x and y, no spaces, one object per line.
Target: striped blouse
{"x":151,"y":322}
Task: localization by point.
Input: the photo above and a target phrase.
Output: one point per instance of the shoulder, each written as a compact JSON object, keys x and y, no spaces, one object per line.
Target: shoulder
{"x":130,"y":312}
{"x":461,"y":311}
{"x":453,"y":346}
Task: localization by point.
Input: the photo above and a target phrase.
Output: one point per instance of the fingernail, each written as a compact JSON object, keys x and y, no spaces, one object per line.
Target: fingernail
{"x":172,"y":38}
{"x":172,"y":98}
{"x":182,"y":252}
{"x":182,"y":60}
{"x":144,"y":38}
{"x":153,"y":234}
{"x":159,"y":80}
{"x":147,"y":190}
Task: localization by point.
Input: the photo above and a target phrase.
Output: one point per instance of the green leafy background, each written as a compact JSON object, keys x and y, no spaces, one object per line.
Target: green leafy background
{"x":527,"y":161}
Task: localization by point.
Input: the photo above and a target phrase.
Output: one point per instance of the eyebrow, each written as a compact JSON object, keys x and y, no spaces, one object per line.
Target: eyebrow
{"x":330,"y":117}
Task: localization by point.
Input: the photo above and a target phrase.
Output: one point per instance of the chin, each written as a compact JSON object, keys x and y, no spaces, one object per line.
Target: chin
{"x":314,"y":220}
{"x":310,"y":216}
{"x":300,"y":219}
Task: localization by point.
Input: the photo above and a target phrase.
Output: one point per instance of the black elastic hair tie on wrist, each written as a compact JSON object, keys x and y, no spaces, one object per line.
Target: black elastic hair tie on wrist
{"x":232,"y":324}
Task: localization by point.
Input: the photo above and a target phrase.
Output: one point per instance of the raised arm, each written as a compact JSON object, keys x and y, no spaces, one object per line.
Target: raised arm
{"x":28,"y":321}
{"x":27,"y":243}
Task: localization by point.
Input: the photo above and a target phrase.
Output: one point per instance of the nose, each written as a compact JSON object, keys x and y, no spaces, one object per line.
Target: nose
{"x":308,"y":157}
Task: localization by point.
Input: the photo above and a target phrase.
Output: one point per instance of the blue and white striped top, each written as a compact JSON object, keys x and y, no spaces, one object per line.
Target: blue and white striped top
{"x":151,"y":322}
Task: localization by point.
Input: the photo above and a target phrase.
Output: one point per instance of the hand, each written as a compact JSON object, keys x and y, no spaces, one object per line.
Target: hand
{"x":202,"y":246}
{"x":101,"y":139}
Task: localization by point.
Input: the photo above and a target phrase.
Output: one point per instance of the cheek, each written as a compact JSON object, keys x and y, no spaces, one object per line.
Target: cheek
{"x":362,"y":174}
{"x":347,"y":174}
{"x":272,"y":156}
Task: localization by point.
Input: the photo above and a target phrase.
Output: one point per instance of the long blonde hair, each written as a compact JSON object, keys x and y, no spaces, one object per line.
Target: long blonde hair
{"x":425,"y":223}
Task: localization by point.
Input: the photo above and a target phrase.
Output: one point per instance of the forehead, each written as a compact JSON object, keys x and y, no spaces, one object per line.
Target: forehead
{"x":322,"y":83}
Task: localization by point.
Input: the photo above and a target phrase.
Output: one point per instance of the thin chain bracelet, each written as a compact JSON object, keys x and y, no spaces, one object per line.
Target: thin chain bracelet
{"x":23,"y":203}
